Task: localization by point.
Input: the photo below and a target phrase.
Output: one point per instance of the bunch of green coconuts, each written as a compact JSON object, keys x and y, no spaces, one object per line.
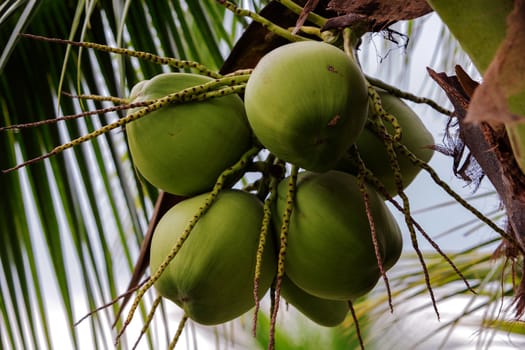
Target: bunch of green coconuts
{"x":307,"y":104}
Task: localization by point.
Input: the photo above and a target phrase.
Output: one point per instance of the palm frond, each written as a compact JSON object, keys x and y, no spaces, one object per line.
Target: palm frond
{"x":72,"y":225}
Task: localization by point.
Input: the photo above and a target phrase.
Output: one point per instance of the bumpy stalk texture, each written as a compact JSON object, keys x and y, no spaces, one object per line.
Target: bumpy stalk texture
{"x":241,"y":164}
{"x":197,"y":93}
{"x":388,"y":142}
{"x":287,"y":214}
{"x":177,"y":335}
{"x":146,"y":56}
{"x":361,"y":177}
{"x":265,"y":228}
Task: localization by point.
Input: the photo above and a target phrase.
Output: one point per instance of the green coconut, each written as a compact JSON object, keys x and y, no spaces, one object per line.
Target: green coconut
{"x":183,"y":148}
{"x":415,"y":136}
{"x":328,"y":313}
{"x":330,"y":253}
{"x":307,"y":103}
{"x":212,"y":276}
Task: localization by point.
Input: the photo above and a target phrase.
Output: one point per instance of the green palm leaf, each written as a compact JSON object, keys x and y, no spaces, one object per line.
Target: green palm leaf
{"x":81,"y":215}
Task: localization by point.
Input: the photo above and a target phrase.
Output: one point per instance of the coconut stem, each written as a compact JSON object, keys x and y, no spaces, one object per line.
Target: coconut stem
{"x":236,"y":79}
{"x":376,"y":119}
{"x":372,"y":179}
{"x":186,"y":95}
{"x":283,"y":235}
{"x":272,"y":27}
{"x":379,"y":111}
{"x":402,"y":149}
{"x":408,"y":96}
{"x":74,"y":116}
{"x":361,"y":177}
{"x":210,"y":199}
{"x":149,"y":318}
{"x":350,"y":43}
{"x":392,"y":156}
{"x":314,"y":31}
{"x":177,"y":335}
{"x":316,"y":19}
{"x":264,"y":184}
{"x":172,"y":62}
{"x":116,"y":100}
{"x":265,"y":227}
{"x":356,"y":325}
{"x":111,"y":303}
{"x":435,"y":177}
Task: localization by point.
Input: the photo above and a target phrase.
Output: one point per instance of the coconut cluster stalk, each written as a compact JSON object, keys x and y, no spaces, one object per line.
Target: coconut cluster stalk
{"x":198,"y":93}
{"x":283,"y":243}
{"x":241,"y":164}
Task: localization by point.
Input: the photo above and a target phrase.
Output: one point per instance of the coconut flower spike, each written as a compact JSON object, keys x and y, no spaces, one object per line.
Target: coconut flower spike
{"x":149,"y":318}
{"x":265,"y":228}
{"x":286,"y":216}
{"x":234,"y":81}
{"x":146,"y":56}
{"x":388,"y":142}
{"x":361,"y":178}
{"x":408,"y":96}
{"x":376,"y":183}
{"x":379,"y":111}
{"x":435,"y":177}
{"x":196,"y":93}
{"x":212,"y":196}
{"x":177,"y":335}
